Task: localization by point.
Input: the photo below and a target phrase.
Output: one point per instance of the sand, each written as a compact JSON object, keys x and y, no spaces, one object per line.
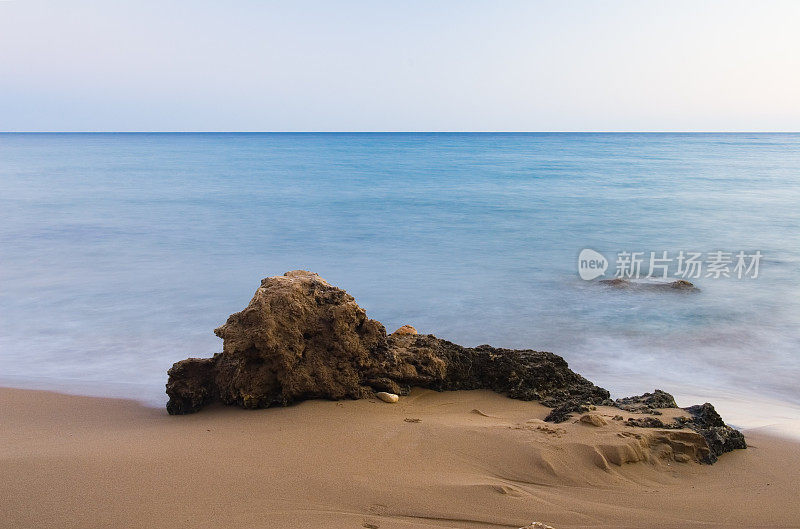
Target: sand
{"x":457,"y":459}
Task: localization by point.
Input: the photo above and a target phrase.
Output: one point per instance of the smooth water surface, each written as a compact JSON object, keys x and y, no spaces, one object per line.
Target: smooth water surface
{"x":120,"y":253}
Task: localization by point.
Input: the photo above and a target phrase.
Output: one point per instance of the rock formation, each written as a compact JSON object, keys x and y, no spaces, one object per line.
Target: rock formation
{"x":301,"y":338}
{"x":620,"y":283}
{"x":647,"y":403}
{"x":703,"y":419}
{"x":720,"y":437}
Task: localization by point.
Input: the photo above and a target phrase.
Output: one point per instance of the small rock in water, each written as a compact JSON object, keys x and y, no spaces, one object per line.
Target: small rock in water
{"x":680,"y":284}
{"x":387,"y":397}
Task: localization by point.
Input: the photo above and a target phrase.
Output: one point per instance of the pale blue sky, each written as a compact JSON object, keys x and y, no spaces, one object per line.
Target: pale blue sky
{"x":414,"y":65}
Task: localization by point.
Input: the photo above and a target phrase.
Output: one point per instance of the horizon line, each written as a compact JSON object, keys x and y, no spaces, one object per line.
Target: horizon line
{"x":400,"y":132}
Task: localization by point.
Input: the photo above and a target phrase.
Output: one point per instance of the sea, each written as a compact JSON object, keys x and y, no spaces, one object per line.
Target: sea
{"x":121,"y":252}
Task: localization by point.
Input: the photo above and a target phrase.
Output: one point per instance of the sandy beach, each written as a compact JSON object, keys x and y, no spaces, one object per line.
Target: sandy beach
{"x":465,"y":459}
{"x":382,"y":265}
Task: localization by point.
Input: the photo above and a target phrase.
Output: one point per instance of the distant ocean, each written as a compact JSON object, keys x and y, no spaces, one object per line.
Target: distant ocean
{"x":120,"y":253}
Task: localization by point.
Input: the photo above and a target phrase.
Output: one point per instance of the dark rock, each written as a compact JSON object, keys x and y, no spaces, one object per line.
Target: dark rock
{"x":191,"y":385}
{"x":564,"y":411}
{"x":648,"y":422}
{"x":427,"y":361}
{"x":680,"y":285}
{"x":703,"y":419}
{"x":647,"y":403}
{"x":720,"y":437}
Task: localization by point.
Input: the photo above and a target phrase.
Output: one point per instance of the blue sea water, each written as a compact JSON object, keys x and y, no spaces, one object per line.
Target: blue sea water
{"x":120,"y":253}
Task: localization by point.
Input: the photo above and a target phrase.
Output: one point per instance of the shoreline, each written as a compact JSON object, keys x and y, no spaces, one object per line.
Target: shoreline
{"x":474,"y":459}
{"x":749,"y":412}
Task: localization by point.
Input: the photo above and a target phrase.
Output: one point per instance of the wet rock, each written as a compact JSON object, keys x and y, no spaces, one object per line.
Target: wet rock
{"x":679,"y":285}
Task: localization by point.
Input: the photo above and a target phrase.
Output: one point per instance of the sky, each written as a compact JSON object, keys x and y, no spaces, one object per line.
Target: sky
{"x":374,"y":65}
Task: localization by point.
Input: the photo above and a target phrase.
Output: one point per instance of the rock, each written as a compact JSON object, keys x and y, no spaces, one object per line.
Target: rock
{"x":387,"y":397}
{"x":682,"y":284}
{"x":191,"y":385}
{"x":537,"y":525}
{"x":620,"y":283}
{"x":301,"y":338}
{"x":704,"y":419}
{"x":679,"y":445}
{"x":405,"y":329}
{"x":646,"y":403}
{"x":564,"y":411}
{"x":427,"y":361}
{"x":648,"y":422}
{"x":593,"y":420}
{"x":720,"y":437}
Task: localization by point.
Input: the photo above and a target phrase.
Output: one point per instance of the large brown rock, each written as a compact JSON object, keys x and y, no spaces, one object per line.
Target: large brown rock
{"x":301,"y":338}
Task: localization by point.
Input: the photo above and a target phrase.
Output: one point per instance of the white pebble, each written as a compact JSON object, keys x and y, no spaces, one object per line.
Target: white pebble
{"x":387,"y":397}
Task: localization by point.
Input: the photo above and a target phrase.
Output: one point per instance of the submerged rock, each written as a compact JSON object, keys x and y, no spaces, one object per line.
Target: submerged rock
{"x":680,"y":285}
{"x":302,"y":338}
